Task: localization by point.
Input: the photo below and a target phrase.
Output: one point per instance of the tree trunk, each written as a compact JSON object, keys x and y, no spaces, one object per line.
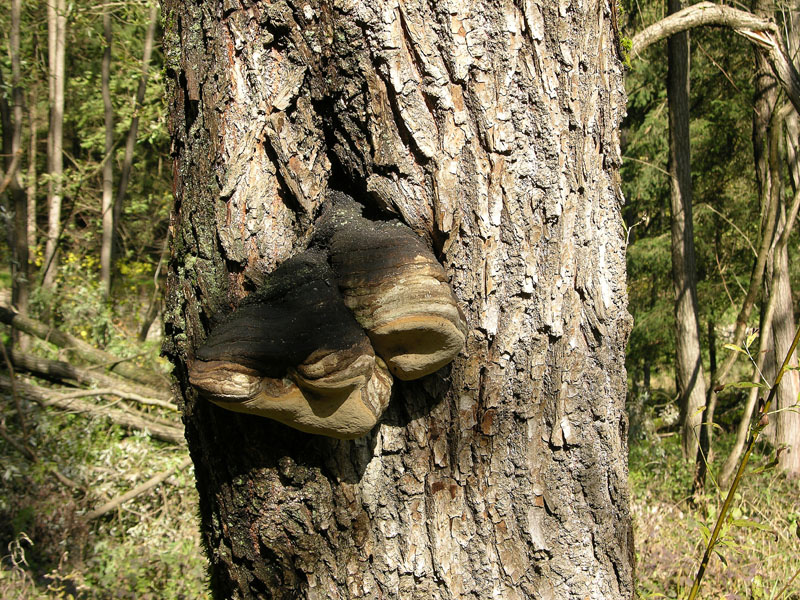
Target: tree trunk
{"x":56,"y":27}
{"x":31,"y":184}
{"x":688,"y":360}
{"x":788,"y":421}
{"x":786,"y":428}
{"x":491,"y":130}
{"x":127,"y":162}
{"x":766,"y":156}
{"x":768,"y":179}
{"x":704,"y":453}
{"x":769,"y":204}
{"x":12,"y":164}
{"x":107,"y":204}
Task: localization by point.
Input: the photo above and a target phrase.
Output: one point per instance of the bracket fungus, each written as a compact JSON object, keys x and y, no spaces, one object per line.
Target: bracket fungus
{"x":315,"y":346}
{"x":294,"y":353}
{"x":396,"y":288}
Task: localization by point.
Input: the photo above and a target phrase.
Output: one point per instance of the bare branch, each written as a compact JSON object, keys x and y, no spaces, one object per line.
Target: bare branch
{"x":763,"y":33}
{"x":128,"y":419}
{"x":12,"y":170}
{"x":60,"y":371}
{"x":119,"y":394}
{"x":137,"y":491}
{"x":85,"y":351}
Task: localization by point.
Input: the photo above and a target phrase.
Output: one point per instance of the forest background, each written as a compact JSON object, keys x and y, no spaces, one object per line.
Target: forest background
{"x":97,"y":498}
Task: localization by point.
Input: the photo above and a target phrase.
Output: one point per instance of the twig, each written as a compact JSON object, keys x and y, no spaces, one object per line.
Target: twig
{"x":755,"y":432}
{"x":732,"y":224}
{"x":138,"y":490}
{"x":788,"y":583}
{"x":119,"y":394}
{"x":27,"y":450}
{"x":115,"y":361}
{"x":20,"y":447}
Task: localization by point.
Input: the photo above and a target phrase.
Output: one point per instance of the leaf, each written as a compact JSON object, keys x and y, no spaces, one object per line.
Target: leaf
{"x":770,"y":465}
{"x":721,"y":557}
{"x":734,"y":348}
{"x":749,"y":384}
{"x":750,"y":338}
{"x":706,"y":533}
{"x":699,"y":410}
{"x":750,"y":524}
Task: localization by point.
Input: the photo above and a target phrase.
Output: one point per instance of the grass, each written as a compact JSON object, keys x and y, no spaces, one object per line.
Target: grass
{"x":759,"y":550}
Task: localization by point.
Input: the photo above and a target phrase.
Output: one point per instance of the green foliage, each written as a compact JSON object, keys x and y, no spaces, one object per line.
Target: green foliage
{"x":726,"y":209}
{"x":146,"y":207}
{"x":149,"y":548}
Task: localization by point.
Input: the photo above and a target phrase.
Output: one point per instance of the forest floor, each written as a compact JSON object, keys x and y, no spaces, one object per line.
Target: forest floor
{"x":759,"y":551}
{"x":149,"y":547}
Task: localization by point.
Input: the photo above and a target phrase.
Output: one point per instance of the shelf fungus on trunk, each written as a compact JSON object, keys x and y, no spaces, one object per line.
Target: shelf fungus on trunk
{"x":293,"y":352}
{"x":396,"y":288}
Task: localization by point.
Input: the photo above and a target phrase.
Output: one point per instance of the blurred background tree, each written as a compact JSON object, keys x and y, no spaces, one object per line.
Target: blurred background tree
{"x":81,"y":101}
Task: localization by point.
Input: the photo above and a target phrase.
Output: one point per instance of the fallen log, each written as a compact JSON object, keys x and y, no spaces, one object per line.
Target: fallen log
{"x":129,"y":419}
{"x":87,"y":352}
{"x":60,"y":371}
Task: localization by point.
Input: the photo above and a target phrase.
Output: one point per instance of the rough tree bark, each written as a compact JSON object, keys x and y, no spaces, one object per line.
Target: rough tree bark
{"x":491,"y":130}
{"x":688,"y":359}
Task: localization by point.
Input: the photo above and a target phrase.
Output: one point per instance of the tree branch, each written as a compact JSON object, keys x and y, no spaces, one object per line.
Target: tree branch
{"x":763,"y":33}
{"x":85,"y":351}
{"x":137,"y":491}
{"x":127,"y":419}
{"x":12,"y":170}
{"x":125,"y":395}
{"x":60,"y":371}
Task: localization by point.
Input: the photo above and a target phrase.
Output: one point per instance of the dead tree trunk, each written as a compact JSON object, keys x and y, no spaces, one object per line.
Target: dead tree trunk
{"x":491,"y":130}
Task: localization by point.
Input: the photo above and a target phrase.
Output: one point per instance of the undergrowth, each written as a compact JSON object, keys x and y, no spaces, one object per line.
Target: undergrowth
{"x":759,"y":551}
{"x":148,"y":548}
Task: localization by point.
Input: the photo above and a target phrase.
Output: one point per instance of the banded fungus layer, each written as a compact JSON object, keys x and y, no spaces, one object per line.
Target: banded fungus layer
{"x":315,"y":346}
